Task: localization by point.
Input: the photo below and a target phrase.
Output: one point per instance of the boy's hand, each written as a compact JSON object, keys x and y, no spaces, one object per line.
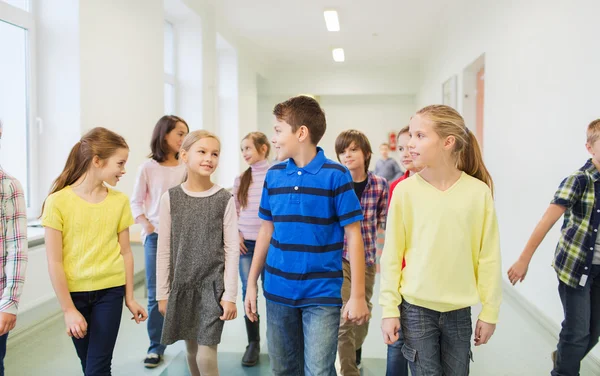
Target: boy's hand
{"x":162,"y":307}
{"x":250,"y":303}
{"x":483,"y":332}
{"x":518,"y":271}
{"x":7,"y":322}
{"x":356,"y":311}
{"x":229,"y":310}
{"x":389,"y":329}
{"x":139,"y":313}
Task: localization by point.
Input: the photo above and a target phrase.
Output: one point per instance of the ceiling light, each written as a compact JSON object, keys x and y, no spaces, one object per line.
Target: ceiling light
{"x":338,"y":55}
{"x":331,"y":20}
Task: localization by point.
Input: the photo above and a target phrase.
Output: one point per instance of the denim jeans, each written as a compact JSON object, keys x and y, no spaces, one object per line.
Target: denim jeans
{"x":155,"y":319}
{"x":436,"y":343}
{"x":397,"y":365}
{"x":3,"y":340}
{"x":581,"y":326}
{"x":302,"y":341}
{"x":245,"y":263}
{"x":102,"y":311}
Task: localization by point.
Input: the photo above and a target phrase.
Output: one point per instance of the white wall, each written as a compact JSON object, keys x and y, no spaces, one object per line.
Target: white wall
{"x":375,"y":115}
{"x":541,"y":92}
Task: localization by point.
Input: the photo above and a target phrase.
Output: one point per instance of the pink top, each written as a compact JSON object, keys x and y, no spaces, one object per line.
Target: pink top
{"x":152,"y":181}
{"x":249,"y":223}
{"x":230,"y":238}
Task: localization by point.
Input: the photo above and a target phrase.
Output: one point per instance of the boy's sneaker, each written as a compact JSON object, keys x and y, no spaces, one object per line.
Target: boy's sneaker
{"x":152,"y":360}
{"x":358,"y":358}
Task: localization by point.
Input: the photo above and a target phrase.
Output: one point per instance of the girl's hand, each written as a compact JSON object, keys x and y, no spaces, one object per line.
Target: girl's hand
{"x":139,"y":313}
{"x":162,"y":307}
{"x":250,"y":303}
{"x":243,"y":248}
{"x":76,"y":324}
{"x":390,"y":328}
{"x":518,"y":271}
{"x":149,"y":228}
{"x":483,"y":332}
{"x":229,"y":310}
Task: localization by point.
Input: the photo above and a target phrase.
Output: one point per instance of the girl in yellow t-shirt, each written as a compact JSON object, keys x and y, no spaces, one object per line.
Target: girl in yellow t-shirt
{"x":87,"y":243}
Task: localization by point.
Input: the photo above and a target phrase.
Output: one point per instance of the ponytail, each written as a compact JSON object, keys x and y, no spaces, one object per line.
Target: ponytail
{"x":245,"y":181}
{"x":471,"y":161}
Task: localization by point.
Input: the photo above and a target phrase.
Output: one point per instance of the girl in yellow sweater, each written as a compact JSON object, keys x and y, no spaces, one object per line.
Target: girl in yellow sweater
{"x":443,"y":222}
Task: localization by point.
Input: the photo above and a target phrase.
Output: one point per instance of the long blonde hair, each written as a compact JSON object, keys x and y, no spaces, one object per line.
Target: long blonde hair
{"x":448,"y":122}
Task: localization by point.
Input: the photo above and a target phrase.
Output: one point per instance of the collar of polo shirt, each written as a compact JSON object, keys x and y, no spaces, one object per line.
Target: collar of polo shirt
{"x":312,"y":168}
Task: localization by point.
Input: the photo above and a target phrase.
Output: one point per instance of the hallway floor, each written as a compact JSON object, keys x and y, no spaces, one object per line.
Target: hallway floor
{"x":519,"y":347}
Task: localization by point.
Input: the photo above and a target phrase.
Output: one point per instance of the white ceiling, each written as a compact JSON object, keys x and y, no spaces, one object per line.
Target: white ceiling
{"x":377,"y":33}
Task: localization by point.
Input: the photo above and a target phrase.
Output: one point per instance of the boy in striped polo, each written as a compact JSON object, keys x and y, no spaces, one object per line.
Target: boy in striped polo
{"x":307,"y":206}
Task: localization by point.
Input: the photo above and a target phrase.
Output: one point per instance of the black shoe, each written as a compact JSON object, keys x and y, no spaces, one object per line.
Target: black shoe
{"x":358,"y":358}
{"x":152,"y":360}
{"x":252,"y":354}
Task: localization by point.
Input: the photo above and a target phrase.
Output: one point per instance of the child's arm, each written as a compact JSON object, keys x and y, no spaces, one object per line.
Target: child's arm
{"x":258,"y":262}
{"x":356,"y":309}
{"x":382,"y":205}
{"x":140,"y":191}
{"x":163,"y":253}
{"x":518,"y":271}
{"x":232,"y":260}
{"x":15,"y":240}
{"x":139,"y":314}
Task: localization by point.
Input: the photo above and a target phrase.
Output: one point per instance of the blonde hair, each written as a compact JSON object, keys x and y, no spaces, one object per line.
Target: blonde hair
{"x":593,"y":131}
{"x":196,"y":136}
{"x":448,"y":122}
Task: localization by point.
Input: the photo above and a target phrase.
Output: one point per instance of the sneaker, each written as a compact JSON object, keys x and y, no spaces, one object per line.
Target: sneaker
{"x":358,"y":358}
{"x":152,"y":360}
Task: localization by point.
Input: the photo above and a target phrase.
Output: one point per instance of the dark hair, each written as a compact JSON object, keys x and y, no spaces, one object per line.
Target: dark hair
{"x":303,"y":110}
{"x":158,"y":144}
{"x":259,"y":139}
{"x":99,"y":142}
{"x":404,"y":130}
{"x":346,"y":138}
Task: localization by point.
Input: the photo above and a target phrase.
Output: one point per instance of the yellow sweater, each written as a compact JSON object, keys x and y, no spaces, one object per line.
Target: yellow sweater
{"x":451,"y":245}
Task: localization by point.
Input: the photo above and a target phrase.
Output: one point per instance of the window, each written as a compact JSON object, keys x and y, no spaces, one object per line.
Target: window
{"x":17,"y":149}
{"x":169,"y":68}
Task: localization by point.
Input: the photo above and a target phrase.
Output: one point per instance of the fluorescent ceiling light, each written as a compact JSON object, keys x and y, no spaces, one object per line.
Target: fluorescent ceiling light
{"x":338,"y":55}
{"x":331,"y":20}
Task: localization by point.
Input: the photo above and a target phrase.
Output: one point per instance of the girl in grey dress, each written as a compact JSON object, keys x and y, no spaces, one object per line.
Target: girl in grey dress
{"x":198,"y":256}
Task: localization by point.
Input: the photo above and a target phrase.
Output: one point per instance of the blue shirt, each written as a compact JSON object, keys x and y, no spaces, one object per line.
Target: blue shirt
{"x":309,"y":208}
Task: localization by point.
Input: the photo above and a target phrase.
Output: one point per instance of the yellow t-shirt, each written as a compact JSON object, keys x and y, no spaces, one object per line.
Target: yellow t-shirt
{"x":91,"y":252}
{"x":451,"y":245}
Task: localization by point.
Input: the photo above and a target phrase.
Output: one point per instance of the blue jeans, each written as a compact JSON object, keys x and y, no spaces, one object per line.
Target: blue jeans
{"x":302,"y":341}
{"x":436,"y":343}
{"x":397,"y":365}
{"x":155,"y":319}
{"x":245,"y":263}
{"x":102,"y":311}
{"x":2,"y":352}
{"x":581,"y":327}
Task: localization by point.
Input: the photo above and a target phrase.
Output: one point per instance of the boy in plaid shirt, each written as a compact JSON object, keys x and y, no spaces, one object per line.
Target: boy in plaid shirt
{"x":13,"y":254}
{"x":354,"y":151}
{"x":576,"y":260}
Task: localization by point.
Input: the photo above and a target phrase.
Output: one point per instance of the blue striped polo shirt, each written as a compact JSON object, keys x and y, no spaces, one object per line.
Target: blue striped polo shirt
{"x":309,"y":207}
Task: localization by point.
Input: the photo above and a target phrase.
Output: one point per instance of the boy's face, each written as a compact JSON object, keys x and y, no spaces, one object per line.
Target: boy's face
{"x":353,"y":158}
{"x":285,"y":141}
{"x":384,"y":151}
{"x":594,"y":149}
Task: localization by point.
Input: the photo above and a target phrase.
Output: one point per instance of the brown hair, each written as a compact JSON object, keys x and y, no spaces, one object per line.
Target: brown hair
{"x":346,"y":138}
{"x":593,"y":131}
{"x":404,"y":130}
{"x":303,"y":110}
{"x":99,"y":142}
{"x":259,"y":139}
{"x":158,"y":144}
{"x":448,"y":122}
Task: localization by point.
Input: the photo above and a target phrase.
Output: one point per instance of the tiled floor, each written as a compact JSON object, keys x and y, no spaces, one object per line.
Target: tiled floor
{"x":519,"y":347}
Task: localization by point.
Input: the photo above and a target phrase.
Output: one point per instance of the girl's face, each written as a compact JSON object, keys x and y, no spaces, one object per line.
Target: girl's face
{"x":405,"y":156}
{"x":203,"y":156}
{"x":249,"y":152}
{"x":353,"y":158}
{"x":175,"y":138}
{"x":112,"y":169}
{"x":426,"y":148}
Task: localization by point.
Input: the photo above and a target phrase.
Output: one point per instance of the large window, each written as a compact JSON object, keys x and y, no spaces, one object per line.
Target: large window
{"x":169,"y":68}
{"x":17,"y":109}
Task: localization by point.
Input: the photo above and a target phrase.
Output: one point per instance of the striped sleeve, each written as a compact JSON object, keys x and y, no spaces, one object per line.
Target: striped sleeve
{"x":264,"y":210}
{"x":347,"y":206}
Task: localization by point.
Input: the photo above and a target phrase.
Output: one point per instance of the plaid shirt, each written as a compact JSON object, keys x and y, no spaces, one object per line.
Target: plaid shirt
{"x":13,"y":242}
{"x":578,"y":193}
{"x":373,"y":202}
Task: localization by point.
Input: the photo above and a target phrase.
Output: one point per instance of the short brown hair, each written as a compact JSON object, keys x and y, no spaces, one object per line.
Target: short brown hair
{"x":303,"y":110}
{"x":593,"y":131}
{"x":403,"y":131}
{"x":346,"y":138}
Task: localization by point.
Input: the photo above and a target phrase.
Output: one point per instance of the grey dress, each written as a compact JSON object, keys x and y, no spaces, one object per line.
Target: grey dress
{"x":197,"y":268}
